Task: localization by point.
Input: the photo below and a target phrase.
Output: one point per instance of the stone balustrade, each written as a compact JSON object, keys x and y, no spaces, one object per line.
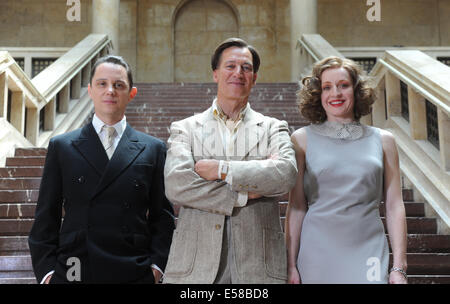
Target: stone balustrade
{"x":425,"y":160}
{"x":29,"y":57}
{"x":367,"y":56}
{"x":53,"y":102}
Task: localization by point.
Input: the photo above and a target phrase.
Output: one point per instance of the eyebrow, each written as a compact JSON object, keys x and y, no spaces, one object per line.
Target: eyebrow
{"x":103,"y":79}
{"x":337,"y":81}
{"x":234,"y":61}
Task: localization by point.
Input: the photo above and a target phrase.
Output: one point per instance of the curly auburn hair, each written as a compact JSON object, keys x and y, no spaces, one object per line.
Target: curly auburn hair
{"x":309,"y":96}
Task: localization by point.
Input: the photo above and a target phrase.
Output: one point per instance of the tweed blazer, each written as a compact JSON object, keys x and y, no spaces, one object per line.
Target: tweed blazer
{"x":257,"y":237}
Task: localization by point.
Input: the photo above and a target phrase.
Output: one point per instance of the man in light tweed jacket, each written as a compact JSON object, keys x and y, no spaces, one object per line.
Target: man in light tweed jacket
{"x":226,"y":167}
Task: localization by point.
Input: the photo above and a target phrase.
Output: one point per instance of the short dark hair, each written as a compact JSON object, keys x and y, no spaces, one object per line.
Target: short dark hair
{"x":114,"y":60}
{"x":230,"y":42}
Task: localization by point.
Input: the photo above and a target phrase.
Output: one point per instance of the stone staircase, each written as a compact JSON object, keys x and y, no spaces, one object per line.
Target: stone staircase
{"x":155,"y":106}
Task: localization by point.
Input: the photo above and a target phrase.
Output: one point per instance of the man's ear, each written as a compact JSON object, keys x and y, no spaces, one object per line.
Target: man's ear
{"x":89,"y":90}
{"x":133,"y":93}
{"x":215,"y":76}
{"x":255,"y":75}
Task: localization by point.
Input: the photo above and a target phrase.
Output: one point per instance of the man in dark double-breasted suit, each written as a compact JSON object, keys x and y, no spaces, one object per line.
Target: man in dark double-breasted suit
{"x":108,"y":181}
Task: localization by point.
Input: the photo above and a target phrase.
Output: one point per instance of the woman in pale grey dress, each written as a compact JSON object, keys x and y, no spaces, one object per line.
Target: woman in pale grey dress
{"x":334,"y":233}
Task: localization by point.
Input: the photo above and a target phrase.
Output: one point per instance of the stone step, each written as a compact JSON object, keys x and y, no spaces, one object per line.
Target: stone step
{"x":157,"y":124}
{"x":428,"y":243}
{"x":21,"y":171}
{"x":8,"y":210}
{"x":417,"y":243}
{"x":210,"y":85}
{"x":16,"y":211}
{"x":25,"y":161}
{"x":428,"y":279}
{"x":18,"y":196}
{"x":19,"y":183}
{"x":15,"y":263}
{"x":9,"y":244}
{"x":14,"y":227}
{"x":286,"y":103}
{"x":416,"y":225}
{"x":30,"y":152}
{"x":17,"y":275}
{"x":13,"y":280}
{"x":418,"y":263}
{"x":188,"y":109}
{"x":428,"y":263}
{"x":10,"y":227}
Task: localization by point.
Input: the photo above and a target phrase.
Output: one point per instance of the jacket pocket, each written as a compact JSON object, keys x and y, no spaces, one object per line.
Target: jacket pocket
{"x":275,"y":259}
{"x":182,"y":253}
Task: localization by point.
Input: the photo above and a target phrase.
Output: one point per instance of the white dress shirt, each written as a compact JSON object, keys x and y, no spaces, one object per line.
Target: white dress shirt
{"x":228,"y":131}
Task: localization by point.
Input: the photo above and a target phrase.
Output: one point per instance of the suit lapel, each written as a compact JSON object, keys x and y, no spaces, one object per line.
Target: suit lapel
{"x":250,"y":134}
{"x":208,"y":142}
{"x":126,"y":152}
{"x":207,"y":138}
{"x":90,"y":146}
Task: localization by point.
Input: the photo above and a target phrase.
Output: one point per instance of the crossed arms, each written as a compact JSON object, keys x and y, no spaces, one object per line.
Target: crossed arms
{"x":265,"y":176}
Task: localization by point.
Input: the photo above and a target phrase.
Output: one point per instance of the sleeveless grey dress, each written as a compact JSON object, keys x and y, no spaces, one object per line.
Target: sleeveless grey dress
{"x":343,"y":238}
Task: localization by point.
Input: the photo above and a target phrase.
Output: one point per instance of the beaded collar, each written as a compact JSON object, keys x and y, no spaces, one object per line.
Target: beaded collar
{"x":350,"y":131}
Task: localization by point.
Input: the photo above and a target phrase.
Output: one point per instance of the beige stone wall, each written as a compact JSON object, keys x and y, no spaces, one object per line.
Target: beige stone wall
{"x":403,"y":23}
{"x":41,"y":23}
{"x":263,"y":23}
{"x":128,"y":32}
{"x":158,"y":51}
{"x":148,"y":38}
{"x":199,"y":27}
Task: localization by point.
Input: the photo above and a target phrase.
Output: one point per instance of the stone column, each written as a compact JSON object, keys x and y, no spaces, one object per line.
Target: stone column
{"x":303,"y":21}
{"x":105,"y":20}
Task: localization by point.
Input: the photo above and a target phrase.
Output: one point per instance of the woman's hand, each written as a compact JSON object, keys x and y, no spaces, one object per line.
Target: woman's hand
{"x":293,"y":276}
{"x":396,"y":277}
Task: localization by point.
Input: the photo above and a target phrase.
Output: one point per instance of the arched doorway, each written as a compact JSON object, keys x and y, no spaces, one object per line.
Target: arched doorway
{"x":200,"y":25}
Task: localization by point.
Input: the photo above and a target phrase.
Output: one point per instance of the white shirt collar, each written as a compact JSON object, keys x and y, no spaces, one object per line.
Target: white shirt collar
{"x":120,"y":126}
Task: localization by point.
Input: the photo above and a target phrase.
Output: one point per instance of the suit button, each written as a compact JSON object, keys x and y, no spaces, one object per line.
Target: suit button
{"x":126,"y":205}
{"x":125,"y":229}
{"x":136,"y":184}
{"x":218,"y":227}
{"x":81,"y":179}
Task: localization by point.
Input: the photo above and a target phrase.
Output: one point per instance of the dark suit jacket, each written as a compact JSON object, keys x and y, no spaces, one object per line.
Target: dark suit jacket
{"x":117,"y":220}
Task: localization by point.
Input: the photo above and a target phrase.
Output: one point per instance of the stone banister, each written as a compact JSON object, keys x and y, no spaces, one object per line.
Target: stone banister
{"x":426,"y":75}
{"x":16,"y":80}
{"x":378,"y":51}
{"x":313,"y":47}
{"x":57,"y":75}
{"x":427,"y":80}
{"x":29,"y":54}
{"x":317,"y":47}
{"x":53,"y":102}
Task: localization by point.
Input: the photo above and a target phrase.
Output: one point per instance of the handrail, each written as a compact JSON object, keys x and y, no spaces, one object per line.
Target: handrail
{"x":416,"y":86}
{"x":63,"y":82}
{"x":73,"y":61}
{"x":19,"y":80}
{"x":29,"y":54}
{"x":317,"y":47}
{"x":310,"y":52}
